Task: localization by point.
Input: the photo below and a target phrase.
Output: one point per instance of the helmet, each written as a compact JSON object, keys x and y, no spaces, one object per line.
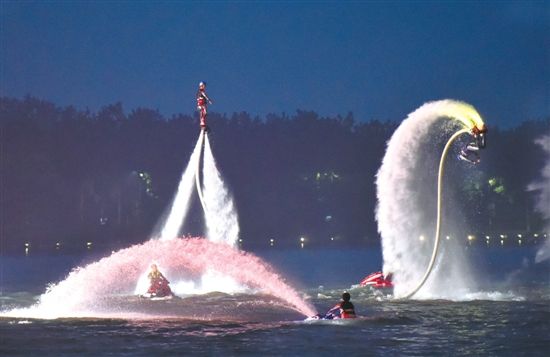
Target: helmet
{"x":346,"y":296}
{"x":202,"y":84}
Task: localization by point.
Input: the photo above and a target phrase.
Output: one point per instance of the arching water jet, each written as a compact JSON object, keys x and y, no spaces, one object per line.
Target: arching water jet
{"x":91,"y":290}
{"x":399,"y":215}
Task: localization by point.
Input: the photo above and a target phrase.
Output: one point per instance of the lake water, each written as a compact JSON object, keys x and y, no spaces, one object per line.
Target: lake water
{"x":508,"y":316}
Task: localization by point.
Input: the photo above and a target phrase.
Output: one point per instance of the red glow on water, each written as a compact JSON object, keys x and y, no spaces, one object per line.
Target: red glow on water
{"x":180,"y":259}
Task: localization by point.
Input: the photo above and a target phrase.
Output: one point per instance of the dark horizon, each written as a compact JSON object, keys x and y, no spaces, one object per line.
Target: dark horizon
{"x":72,"y":175}
{"x":262,"y":117}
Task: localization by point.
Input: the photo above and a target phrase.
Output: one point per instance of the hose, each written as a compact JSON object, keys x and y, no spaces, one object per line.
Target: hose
{"x":197,"y":171}
{"x":439,"y":200}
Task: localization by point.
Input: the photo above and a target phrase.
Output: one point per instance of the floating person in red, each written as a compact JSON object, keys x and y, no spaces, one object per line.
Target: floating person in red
{"x":159,"y":285}
{"x":202,"y":102}
{"x":344,"y":309}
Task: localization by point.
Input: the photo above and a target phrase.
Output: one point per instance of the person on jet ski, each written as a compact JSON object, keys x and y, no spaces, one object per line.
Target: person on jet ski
{"x":159,"y":285}
{"x":202,"y":102}
{"x":344,"y":308}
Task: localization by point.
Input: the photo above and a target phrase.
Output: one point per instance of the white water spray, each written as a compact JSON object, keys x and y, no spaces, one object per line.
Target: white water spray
{"x":181,"y":203}
{"x":401,"y":216}
{"x":543,"y":199}
{"x":101,"y":289}
{"x":221,"y":215}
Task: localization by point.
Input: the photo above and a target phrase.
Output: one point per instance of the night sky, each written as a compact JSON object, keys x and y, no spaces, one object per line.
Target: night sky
{"x":379,"y":60}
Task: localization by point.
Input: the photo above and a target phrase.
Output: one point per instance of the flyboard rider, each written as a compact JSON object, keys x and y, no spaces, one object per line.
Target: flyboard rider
{"x":470,"y":152}
{"x":202,"y":102}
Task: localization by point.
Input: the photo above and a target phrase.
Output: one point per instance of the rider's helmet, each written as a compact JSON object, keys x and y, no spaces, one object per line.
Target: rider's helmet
{"x":202,"y":85}
{"x":346,"y":296}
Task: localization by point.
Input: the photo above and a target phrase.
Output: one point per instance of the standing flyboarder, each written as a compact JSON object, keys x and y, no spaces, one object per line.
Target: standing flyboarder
{"x":202,"y":100}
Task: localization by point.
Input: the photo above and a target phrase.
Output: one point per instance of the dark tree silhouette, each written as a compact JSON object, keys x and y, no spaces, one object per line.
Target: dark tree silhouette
{"x":72,"y":176}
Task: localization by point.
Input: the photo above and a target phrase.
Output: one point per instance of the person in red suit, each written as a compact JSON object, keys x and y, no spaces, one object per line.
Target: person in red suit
{"x":159,"y":285}
{"x":202,"y":102}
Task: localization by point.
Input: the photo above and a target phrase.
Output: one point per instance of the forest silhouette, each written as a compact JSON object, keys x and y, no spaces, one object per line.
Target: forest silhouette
{"x":74,"y":176}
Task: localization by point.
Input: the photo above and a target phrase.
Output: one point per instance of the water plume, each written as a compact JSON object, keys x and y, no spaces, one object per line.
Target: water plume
{"x":221,"y":216}
{"x":405,"y":221}
{"x":180,"y":204}
{"x":219,"y":210}
{"x":84,"y":291}
{"x":542,"y":204}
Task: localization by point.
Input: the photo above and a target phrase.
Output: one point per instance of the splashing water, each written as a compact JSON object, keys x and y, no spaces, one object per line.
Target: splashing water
{"x":401,"y":205}
{"x":219,"y":213}
{"x":84,"y":291}
{"x":194,"y":266}
{"x":221,"y":216}
{"x":543,"y":199}
{"x":180,"y":205}
{"x":219,"y":210}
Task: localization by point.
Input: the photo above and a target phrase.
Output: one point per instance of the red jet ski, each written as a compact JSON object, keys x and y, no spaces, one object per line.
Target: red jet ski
{"x":159,"y":288}
{"x":377,"y":280}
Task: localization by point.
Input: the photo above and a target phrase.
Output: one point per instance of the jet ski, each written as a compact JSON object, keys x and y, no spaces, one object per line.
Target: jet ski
{"x":332,"y":317}
{"x":154,"y":297}
{"x":377,"y":280}
{"x":327,"y":316}
{"x":159,"y":290}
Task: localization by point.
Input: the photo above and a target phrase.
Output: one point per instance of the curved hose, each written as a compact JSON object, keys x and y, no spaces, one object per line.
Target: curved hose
{"x":197,"y":171}
{"x":439,"y":200}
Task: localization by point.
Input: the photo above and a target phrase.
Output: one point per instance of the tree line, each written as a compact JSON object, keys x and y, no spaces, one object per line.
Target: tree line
{"x":73,"y":176}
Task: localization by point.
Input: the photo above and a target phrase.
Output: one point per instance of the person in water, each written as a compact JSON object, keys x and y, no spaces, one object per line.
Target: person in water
{"x":202,"y":102}
{"x":345,"y":308}
{"x":159,"y":285}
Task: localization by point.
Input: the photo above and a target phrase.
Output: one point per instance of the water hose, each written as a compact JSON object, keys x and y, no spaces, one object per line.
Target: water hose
{"x":197,"y":171}
{"x":439,"y":200}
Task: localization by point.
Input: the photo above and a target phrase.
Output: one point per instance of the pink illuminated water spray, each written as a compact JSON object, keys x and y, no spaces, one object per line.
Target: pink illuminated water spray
{"x":82,"y":291}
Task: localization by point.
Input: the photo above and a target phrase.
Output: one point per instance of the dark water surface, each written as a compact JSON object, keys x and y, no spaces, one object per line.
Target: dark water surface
{"x":510,"y":318}
{"x":407,"y":328}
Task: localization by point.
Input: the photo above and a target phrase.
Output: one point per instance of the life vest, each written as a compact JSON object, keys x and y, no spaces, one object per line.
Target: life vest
{"x":347,"y":310}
